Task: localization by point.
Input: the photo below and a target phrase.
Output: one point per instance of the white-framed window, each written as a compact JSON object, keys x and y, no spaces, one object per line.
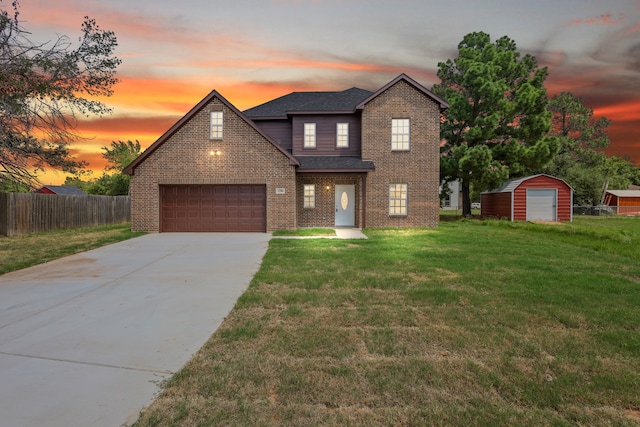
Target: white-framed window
{"x":309,"y":196}
{"x":400,"y":130}
{"x":216,"y":125}
{"x":309,"y":135}
{"x":398,"y":199}
{"x":342,"y":135}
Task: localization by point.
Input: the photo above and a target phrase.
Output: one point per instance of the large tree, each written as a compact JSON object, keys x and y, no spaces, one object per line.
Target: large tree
{"x":497,"y":123}
{"x":44,"y":87}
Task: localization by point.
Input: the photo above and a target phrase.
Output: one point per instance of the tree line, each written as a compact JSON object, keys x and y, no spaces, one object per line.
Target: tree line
{"x":501,"y":123}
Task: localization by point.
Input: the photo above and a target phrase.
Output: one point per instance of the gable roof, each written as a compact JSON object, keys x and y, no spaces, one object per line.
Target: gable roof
{"x":403,"y":77}
{"x":625,"y":193}
{"x":511,"y":184}
{"x":67,"y":190}
{"x":129,"y":170}
{"x":309,"y":102}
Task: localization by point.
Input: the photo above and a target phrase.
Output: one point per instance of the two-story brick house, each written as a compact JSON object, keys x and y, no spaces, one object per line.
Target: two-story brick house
{"x":308,"y":159}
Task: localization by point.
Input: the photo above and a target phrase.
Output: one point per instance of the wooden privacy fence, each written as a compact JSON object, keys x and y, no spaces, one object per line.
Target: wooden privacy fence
{"x":22,"y":213}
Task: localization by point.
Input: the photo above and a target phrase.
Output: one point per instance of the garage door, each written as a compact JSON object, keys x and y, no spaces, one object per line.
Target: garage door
{"x":541,"y":204}
{"x":213,"y":208}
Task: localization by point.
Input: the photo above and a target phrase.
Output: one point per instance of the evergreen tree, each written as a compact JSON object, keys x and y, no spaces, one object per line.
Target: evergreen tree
{"x":497,"y":123}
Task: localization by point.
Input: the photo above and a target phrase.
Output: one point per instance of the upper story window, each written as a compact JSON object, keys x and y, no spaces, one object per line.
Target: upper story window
{"x":309,"y":196}
{"x":309,"y":135}
{"x":342,"y":135}
{"x":398,"y":199}
{"x":216,"y":125}
{"x":400,"y":130}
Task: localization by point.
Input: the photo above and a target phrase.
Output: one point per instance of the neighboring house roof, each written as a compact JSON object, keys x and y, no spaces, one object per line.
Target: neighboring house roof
{"x":625,"y":193}
{"x":334,"y":164}
{"x":168,"y":134}
{"x":310,"y":102}
{"x":511,"y":184}
{"x":67,"y":190}
{"x":443,"y":104}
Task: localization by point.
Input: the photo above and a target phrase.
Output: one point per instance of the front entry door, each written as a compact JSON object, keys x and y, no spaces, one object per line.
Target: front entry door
{"x":345,"y":205}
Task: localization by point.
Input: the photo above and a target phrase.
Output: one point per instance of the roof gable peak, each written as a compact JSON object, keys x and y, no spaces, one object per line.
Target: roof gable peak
{"x":214,"y":94}
{"x":404,"y":77}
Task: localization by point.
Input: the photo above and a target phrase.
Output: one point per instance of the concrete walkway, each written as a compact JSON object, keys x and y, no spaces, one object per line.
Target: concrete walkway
{"x":85,"y":340}
{"x":341,"y":233}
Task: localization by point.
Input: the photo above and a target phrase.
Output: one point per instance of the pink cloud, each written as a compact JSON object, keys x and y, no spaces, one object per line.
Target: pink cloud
{"x":604,"y":19}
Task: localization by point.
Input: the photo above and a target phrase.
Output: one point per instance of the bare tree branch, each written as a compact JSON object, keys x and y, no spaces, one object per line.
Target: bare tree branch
{"x":44,"y":87}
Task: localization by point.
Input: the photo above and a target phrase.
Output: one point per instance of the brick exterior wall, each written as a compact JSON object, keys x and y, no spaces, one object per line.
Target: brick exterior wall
{"x":419,"y":167}
{"x":246,"y":157}
{"x":323,"y":215}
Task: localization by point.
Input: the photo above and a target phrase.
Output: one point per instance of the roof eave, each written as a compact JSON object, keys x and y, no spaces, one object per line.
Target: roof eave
{"x":315,"y":112}
{"x":344,"y":170}
{"x":267,"y":117}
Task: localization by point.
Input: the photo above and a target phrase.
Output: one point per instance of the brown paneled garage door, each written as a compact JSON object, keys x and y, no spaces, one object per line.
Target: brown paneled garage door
{"x":213,"y":208}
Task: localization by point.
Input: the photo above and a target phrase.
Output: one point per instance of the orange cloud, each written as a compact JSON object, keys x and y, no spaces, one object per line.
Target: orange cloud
{"x":624,"y":112}
{"x":152,"y":94}
{"x":625,"y":141}
{"x":127,"y":124}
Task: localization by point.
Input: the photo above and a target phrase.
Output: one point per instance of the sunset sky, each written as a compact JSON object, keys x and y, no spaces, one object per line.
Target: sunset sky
{"x":175,"y":52}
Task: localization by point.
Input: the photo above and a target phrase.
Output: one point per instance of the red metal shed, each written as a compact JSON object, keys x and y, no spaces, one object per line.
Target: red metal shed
{"x":532,"y":198}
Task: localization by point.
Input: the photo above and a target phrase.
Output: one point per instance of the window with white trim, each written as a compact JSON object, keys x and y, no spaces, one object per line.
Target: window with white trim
{"x":309,"y":196}
{"x":216,"y":125}
{"x":342,"y":135}
{"x":398,"y":199}
{"x":309,"y":135}
{"x":400,"y":130}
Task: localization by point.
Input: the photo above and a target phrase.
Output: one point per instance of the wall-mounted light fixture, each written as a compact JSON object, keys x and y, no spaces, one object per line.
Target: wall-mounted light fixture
{"x":215,"y":153}
{"x":328,"y":187}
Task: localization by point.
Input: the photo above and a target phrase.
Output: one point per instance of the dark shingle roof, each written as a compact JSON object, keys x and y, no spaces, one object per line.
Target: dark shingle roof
{"x":347,"y":100}
{"x":334,"y":163}
{"x":67,"y":190}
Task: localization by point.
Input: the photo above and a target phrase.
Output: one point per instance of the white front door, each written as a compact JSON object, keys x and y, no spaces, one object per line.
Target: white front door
{"x":345,"y":205}
{"x":541,"y":204}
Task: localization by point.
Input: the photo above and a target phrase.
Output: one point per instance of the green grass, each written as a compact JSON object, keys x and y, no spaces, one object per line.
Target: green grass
{"x":482,"y":323}
{"x":306,"y":232}
{"x":24,"y":251}
{"x":475,"y":323}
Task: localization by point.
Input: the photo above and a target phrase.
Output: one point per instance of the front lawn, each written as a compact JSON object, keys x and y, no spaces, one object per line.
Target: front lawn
{"x":18,"y":252}
{"x":480,"y":323}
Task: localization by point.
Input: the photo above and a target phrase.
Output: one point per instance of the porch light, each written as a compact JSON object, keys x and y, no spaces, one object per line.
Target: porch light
{"x":328,"y":187}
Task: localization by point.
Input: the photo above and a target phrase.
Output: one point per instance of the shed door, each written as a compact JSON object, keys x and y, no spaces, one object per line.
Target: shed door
{"x":542,"y":204}
{"x":213,"y":208}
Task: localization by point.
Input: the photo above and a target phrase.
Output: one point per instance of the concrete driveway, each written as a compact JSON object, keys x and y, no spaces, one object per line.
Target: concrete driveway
{"x":85,"y":340}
